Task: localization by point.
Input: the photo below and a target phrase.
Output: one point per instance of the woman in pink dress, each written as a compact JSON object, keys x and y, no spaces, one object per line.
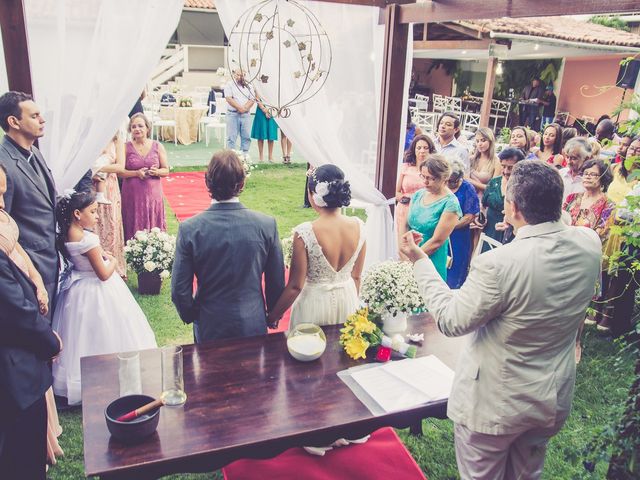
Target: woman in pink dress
{"x":145,"y":163}
{"x":409,"y":180}
{"x":9,"y":234}
{"x":110,"y":229}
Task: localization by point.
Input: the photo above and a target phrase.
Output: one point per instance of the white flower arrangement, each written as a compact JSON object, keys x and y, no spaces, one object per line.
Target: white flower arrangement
{"x":287,"y":249}
{"x":390,"y":287}
{"x":246,"y":162}
{"x":151,"y":251}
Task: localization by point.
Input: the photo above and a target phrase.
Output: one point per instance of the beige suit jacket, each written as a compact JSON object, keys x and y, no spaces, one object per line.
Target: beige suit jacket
{"x":522,"y":303}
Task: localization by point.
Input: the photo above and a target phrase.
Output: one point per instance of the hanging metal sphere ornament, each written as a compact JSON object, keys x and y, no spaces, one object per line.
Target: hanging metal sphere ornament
{"x":281,"y":49}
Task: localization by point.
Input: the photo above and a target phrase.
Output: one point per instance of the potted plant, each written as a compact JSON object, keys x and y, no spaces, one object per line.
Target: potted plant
{"x":150,"y":254}
{"x":391,"y":292}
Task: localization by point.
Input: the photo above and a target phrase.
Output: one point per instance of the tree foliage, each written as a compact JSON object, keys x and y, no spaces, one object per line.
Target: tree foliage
{"x":610,"y":21}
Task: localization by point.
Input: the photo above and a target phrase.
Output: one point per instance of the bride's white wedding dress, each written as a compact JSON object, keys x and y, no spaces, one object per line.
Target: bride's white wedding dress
{"x":328,"y":297}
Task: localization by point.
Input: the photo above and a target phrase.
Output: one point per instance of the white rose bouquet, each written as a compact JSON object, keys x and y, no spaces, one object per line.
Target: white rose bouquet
{"x":151,"y":251}
{"x":389,"y":287}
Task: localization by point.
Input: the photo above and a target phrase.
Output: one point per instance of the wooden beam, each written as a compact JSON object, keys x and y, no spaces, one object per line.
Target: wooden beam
{"x":452,"y":44}
{"x":425,"y":31}
{"x":14,"y":41}
{"x":396,"y":37}
{"x":462,"y":29}
{"x":452,"y":10}
{"x":489,"y":84}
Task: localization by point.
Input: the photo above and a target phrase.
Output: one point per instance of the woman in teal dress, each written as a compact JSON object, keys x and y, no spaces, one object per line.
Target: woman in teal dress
{"x":434,"y":211}
{"x":264,"y":128}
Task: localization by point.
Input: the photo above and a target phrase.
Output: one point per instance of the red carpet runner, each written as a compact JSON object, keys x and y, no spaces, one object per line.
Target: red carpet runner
{"x":187,"y":196}
{"x":383,"y":457}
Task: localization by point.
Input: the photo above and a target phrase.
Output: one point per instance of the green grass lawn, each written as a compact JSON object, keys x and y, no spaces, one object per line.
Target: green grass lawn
{"x":277,"y":190}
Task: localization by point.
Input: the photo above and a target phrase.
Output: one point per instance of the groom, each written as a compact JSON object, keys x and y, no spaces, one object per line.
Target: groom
{"x":228,"y":248}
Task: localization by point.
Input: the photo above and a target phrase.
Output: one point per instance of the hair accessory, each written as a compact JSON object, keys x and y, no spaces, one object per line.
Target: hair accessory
{"x":68,"y":193}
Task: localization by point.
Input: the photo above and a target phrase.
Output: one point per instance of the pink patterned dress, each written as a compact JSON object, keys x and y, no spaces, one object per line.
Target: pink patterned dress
{"x":142,"y":199}
{"x":110,"y":228}
{"x":411,"y":183}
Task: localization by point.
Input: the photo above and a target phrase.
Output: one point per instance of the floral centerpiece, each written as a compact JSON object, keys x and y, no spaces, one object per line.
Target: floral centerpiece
{"x":150,"y":254}
{"x":287,"y":249}
{"x":391,"y":292}
{"x":360,"y":334}
{"x":186,"y":102}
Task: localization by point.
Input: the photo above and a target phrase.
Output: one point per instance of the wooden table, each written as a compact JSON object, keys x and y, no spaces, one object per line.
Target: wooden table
{"x":247,"y":398}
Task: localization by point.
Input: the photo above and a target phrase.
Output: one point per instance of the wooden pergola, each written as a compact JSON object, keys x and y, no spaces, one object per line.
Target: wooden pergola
{"x":397,"y":15}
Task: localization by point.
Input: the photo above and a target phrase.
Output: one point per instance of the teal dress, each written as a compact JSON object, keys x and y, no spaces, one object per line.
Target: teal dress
{"x":424,"y":219}
{"x":264,"y":128}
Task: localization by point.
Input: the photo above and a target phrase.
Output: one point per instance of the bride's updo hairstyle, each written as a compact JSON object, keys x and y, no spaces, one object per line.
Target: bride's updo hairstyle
{"x":328,"y":187}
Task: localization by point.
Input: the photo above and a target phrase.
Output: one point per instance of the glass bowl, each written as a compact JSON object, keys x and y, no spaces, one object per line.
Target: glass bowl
{"x":306,"y":342}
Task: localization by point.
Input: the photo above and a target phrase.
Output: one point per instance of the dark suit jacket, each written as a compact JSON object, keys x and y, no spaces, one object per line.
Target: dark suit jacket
{"x":32,"y":205}
{"x":228,"y":247}
{"x":26,"y":343}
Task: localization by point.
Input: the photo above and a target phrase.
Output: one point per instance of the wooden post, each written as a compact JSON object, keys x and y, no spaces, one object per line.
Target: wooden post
{"x":16,"y":50}
{"x":489,"y":83}
{"x":393,"y":69}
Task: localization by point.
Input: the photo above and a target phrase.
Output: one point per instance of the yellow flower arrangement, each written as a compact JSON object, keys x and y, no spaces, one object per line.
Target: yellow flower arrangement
{"x":359,"y":333}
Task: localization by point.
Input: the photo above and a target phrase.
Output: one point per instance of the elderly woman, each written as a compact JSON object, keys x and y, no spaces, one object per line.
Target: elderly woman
{"x":591,"y":209}
{"x":493,"y":198}
{"x":409,"y":181}
{"x":434,"y":211}
{"x":576,"y":151}
{"x":145,"y":163}
{"x":461,"y":244}
{"x":551,"y":146}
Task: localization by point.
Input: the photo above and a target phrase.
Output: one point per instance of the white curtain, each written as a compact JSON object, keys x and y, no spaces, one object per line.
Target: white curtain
{"x":339,"y":125}
{"x":90,"y":60}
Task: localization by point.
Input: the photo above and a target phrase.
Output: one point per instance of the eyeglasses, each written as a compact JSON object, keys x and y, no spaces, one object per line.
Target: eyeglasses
{"x":427,"y":178}
{"x":591,"y":175}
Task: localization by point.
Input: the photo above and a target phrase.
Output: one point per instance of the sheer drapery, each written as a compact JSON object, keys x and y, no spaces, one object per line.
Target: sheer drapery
{"x":90,"y":60}
{"x":339,"y":125}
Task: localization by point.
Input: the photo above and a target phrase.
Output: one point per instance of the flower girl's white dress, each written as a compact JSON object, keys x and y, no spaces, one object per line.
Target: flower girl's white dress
{"x":328,"y":297}
{"x":93,"y":317}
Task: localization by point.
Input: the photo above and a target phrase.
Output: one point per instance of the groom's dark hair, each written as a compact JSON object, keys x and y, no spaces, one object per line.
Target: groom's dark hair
{"x":225,"y":175}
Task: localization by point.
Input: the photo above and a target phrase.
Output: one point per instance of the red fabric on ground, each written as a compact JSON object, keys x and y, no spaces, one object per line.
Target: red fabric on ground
{"x":186,"y":193}
{"x":187,"y":196}
{"x":383,"y":457}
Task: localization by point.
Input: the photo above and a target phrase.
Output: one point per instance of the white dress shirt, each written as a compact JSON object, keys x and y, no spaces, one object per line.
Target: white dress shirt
{"x":572,"y":183}
{"x":454,"y":150}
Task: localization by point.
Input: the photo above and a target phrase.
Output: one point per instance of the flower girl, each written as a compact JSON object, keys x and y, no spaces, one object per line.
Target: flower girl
{"x":95,"y":313}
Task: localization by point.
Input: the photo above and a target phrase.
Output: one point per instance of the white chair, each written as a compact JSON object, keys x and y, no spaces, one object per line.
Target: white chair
{"x":470,"y":121}
{"x":438,"y":103}
{"x":160,"y":122}
{"x":420,"y":101}
{"x":427,"y":121}
{"x":452,"y":104}
{"x":219,"y":125}
{"x":489,"y":241}
{"x":499,"y":111}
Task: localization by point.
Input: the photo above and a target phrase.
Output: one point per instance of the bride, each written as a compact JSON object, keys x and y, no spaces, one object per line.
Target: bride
{"x":328,"y":255}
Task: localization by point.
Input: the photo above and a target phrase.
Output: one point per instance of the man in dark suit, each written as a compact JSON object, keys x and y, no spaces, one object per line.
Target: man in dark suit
{"x":27,"y":343}
{"x":31,"y":196}
{"x":228,"y":248}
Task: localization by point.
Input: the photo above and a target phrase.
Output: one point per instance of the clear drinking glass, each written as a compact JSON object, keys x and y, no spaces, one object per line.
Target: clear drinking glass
{"x":172,"y":376}
{"x":129,"y":373}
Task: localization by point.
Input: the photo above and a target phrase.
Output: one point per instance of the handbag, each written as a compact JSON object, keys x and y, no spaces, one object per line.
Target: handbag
{"x":450,"y":257}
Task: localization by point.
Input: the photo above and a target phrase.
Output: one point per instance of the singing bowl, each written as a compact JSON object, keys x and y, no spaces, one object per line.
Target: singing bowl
{"x":136,"y":430}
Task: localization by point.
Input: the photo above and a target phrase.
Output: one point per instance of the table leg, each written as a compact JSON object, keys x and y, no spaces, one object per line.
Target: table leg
{"x":416,"y":428}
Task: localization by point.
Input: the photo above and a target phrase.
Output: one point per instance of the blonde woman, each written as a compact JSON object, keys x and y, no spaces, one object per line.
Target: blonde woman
{"x":484,"y":164}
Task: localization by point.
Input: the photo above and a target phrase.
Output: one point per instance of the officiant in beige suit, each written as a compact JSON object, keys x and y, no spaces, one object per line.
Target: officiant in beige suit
{"x":522,"y":305}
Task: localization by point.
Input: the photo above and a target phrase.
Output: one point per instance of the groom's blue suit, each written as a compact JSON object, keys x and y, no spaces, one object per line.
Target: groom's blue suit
{"x":228,"y":248}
